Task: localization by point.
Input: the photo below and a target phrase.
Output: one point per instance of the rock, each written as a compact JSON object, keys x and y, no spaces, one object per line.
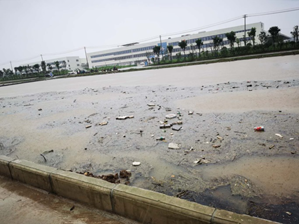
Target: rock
{"x":216,"y":146}
{"x":271,"y":147}
{"x":202,"y":161}
{"x":220,"y":138}
{"x":173,"y":146}
{"x":176,"y":127}
{"x":124,"y":174}
{"x":165,"y":126}
{"x":40,"y":109}
{"x":151,"y":104}
{"x":168,"y":109}
{"x":170,"y":116}
{"x":136,"y":163}
{"x":104,"y":123}
{"x":190,"y":112}
{"x":88,"y":126}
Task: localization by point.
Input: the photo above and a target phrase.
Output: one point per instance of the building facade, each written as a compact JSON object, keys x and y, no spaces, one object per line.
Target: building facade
{"x":68,"y":63}
{"x":137,"y":53}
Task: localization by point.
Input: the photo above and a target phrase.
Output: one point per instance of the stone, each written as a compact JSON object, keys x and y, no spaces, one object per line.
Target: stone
{"x":173,"y":146}
{"x":136,"y":163}
{"x":170,"y":116}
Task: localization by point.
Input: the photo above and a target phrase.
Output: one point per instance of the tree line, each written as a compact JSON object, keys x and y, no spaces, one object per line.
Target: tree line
{"x":35,"y":70}
{"x":271,"y":41}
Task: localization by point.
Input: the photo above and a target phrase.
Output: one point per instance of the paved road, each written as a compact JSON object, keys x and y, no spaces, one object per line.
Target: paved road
{"x":21,"y":204}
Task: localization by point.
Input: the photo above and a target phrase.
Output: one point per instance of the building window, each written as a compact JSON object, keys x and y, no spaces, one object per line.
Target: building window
{"x":78,"y":65}
{"x":68,"y":61}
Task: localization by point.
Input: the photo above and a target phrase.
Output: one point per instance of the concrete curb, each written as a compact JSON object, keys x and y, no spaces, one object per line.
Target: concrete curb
{"x":138,"y":204}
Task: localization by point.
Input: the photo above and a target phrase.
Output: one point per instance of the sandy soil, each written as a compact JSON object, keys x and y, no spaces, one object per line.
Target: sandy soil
{"x":227,"y":99}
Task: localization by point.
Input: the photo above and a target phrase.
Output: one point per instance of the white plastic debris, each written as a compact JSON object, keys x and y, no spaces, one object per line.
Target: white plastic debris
{"x":173,"y":146}
{"x":279,"y":135}
{"x":136,"y":163}
{"x":170,"y":116}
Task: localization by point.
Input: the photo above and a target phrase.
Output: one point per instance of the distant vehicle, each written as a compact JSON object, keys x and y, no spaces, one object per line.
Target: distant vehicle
{"x":71,"y":72}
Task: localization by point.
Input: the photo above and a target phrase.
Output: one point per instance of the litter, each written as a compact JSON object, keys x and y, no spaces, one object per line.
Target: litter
{"x":173,"y":146}
{"x":176,"y":128}
{"x":151,"y":104}
{"x":190,"y":112}
{"x":165,"y":126}
{"x":104,"y":123}
{"x":136,"y":163}
{"x":259,"y":128}
{"x":124,"y":117}
{"x":160,"y":139}
{"x":88,"y":126}
{"x":279,"y":135}
{"x":170,"y":116}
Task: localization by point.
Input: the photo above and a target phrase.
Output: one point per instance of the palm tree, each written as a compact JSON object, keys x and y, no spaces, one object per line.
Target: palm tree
{"x":57,"y":65}
{"x":183,"y":45}
{"x":251,"y":34}
{"x":36,"y":67}
{"x":156,"y":50}
{"x":295,"y":34}
{"x":43,"y":65}
{"x":274,"y":31}
{"x":199,"y":43}
{"x":231,"y":37}
{"x":170,"y":49}
{"x":49,"y":67}
{"x":216,"y":42}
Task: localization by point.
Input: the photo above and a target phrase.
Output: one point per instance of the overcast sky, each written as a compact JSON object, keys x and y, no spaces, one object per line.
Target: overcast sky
{"x":33,"y":27}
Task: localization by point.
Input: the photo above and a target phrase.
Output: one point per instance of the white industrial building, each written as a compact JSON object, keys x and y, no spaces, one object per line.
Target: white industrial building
{"x":69,"y":63}
{"x":135,"y":53}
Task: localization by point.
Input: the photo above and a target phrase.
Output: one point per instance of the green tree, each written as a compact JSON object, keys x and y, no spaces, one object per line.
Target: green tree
{"x":20,"y":69}
{"x":1,"y":74}
{"x":43,"y":65}
{"x":263,"y":37}
{"x":36,"y":67}
{"x":238,"y":42}
{"x":295,"y":34}
{"x":57,"y":64}
{"x":49,"y":67}
{"x":170,"y":49}
{"x":251,"y":34}
{"x":216,"y":42}
{"x":199,"y":43}
{"x":274,"y":31}
{"x":183,"y":45}
{"x":156,"y":50}
{"x":231,"y":37}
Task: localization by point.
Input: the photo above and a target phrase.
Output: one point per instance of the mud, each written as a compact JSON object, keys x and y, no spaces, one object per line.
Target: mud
{"x":243,"y":170}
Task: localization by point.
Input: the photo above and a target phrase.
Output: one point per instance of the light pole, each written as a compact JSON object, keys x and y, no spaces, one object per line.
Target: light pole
{"x":86,"y":57}
{"x":245,"y":29}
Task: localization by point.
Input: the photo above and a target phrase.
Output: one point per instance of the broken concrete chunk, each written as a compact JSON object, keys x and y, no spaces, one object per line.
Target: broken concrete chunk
{"x":165,"y":126}
{"x":173,"y":146}
{"x":170,"y":116}
{"x":176,"y":127}
{"x":104,"y":123}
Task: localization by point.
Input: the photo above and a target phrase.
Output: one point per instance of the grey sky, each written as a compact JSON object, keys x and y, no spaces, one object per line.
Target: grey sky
{"x":33,"y":27}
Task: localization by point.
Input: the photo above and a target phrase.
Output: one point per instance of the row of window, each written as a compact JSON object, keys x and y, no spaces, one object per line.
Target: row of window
{"x":121,"y":58}
{"x":207,"y":38}
{"x":150,"y":48}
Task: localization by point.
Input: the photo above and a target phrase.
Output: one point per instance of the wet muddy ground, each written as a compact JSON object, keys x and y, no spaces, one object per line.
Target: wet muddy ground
{"x":221,"y":161}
